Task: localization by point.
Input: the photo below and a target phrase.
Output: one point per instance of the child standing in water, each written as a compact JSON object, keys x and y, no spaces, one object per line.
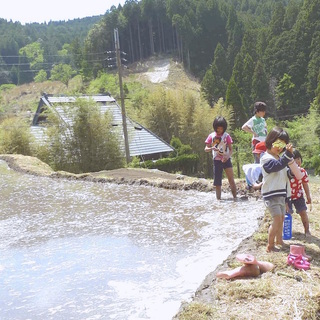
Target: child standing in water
{"x":276,"y":189}
{"x":219,"y":143}
{"x":297,"y":198}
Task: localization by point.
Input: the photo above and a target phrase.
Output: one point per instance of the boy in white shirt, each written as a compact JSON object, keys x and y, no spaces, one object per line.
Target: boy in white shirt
{"x":257,"y":125}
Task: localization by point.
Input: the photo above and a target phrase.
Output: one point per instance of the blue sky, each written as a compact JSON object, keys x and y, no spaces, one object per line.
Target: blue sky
{"x":26,"y":11}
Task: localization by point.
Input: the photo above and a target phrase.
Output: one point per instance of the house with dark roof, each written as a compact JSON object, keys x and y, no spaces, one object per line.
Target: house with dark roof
{"x":142,"y":142}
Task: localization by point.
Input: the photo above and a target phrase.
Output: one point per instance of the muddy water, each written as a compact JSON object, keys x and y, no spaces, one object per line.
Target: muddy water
{"x":82,"y":250}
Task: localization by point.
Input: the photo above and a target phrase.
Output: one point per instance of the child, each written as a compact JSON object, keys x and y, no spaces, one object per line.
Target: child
{"x":297,"y":193}
{"x":253,"y":171}
{"x":276,"y":187}
{"x":257,"y":125}
{"x":253,"y":174}
{"x":219,"y":143}
{"x":259,"y":150}
{"x":251,"y":268}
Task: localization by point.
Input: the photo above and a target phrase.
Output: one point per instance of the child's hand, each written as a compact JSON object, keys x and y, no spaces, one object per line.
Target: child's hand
{"x":225,"y":158}
{"x":308,"y":200}
{"x":287,"y":207}
{"x":289,"y":147}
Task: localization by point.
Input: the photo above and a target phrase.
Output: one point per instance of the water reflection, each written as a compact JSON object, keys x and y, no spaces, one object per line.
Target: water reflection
{"x":82,"y":250}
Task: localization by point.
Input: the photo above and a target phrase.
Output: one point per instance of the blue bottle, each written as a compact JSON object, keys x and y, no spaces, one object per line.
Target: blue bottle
{"x":287,"y":227}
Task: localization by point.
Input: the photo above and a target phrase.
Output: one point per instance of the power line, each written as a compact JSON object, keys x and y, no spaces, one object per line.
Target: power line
{"x":58,"y":55}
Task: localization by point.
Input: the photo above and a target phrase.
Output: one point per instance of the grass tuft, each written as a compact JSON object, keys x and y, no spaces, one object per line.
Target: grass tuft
{"x":240,"y":290}
{"x":197,"y":311}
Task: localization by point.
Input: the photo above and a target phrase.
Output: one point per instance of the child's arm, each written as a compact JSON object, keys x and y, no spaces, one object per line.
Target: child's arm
{"x":274,"y":165}
{"x":208,"y":148}
{"x":295,"y":169}
{"x":246,"y":128}
{"x":307,"y":191}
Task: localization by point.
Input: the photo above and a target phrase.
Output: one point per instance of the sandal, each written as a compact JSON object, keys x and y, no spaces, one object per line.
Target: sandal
{"x":299,"y":262}
{"x":297,"y":250}
{"x":293,"y":257}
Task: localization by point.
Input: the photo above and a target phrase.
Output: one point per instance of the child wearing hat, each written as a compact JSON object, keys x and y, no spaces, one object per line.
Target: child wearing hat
{"x":259,"y":149}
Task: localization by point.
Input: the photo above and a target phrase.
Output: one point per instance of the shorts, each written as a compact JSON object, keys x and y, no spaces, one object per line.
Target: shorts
{"x":299,"y":204}
{"x":276,"y":206}
{"x":218,"y":168}
{"x":254,"y":142}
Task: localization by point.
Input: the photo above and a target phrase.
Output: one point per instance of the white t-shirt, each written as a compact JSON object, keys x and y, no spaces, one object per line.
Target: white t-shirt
{"x":259,"y":126}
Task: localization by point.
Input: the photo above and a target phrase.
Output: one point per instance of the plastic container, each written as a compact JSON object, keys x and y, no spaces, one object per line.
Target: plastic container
{"x":287,"y":227}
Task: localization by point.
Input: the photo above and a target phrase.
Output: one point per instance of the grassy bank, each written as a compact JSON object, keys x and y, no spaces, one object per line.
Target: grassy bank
{"x":271,"y":295}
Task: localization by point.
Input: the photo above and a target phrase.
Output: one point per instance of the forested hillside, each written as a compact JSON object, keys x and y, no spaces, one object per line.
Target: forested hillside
{"x":258,"y":49}
{"x":239,"y":50}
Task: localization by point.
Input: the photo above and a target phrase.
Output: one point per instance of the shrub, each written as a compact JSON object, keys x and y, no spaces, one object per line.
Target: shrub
{"x":15,"y":137}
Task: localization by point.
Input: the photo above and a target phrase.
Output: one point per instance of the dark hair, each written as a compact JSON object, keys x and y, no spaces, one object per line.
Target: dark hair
{"x":296,"y":154}
{"x":220,"y":122}
{"x":274,"y":134}
{"x":259,"y":106}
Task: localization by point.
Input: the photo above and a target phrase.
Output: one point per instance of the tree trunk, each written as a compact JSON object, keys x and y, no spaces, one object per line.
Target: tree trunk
{"x":188,"y":59}
{"x":181,"y":48}
{"x":162,"y":38}
{"x":173,"y":39}
{"x":131,"y":45}
{"x":159,"y":36}
{"x":139,"y":41}
{"x":151,"y":36}
{"x":178,"y":45}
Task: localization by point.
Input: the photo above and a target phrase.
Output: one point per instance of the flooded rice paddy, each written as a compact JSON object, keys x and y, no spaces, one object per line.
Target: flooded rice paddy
{"x":84,"y":250}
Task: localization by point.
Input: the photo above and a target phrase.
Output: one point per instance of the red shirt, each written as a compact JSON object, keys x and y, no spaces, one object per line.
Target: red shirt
{"x":296,"y":185}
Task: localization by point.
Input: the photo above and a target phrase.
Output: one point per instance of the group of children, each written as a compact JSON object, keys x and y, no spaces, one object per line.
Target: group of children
{"x":283,"y":182}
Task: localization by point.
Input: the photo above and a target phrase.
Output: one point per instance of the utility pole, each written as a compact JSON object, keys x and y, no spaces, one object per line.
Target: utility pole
{"x":123,"y":109}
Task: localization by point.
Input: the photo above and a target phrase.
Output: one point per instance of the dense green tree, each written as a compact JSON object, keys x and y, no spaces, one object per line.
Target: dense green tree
{"x":62,"y":72}
{"x":314,"y":64}
{"x":248,"y":72}
{"x":291,"y":14}
{"x":260,"y":84}
{"x":32,"y":56}
{"x":276,"y":23}
{"x":234,"y":99}
{"x":214,"y":83}
{"x":41,"y":76}
{"x":285,"y":93}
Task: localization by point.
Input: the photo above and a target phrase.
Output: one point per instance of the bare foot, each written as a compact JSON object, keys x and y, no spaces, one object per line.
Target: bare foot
{"x":272,"y":249}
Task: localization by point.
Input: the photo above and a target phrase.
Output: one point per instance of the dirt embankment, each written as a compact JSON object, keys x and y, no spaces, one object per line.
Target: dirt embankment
{"x":155,"y":178}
